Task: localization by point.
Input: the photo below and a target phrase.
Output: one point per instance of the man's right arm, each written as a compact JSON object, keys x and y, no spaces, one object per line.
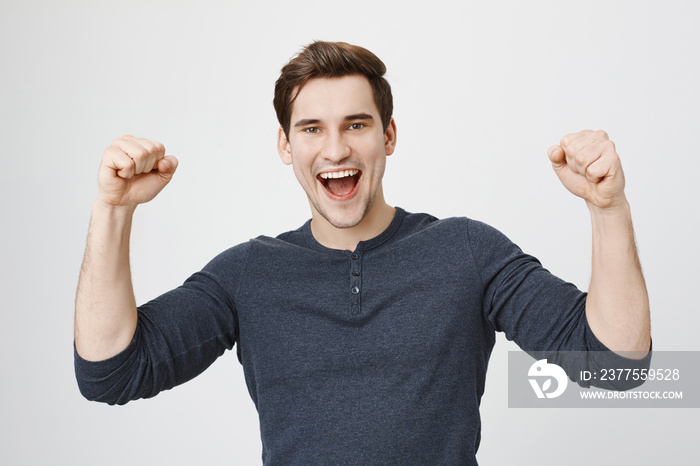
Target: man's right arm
{"x":133,"y":171}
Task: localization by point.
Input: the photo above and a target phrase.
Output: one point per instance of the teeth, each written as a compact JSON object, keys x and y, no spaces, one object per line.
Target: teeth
{"x":340,"y":174}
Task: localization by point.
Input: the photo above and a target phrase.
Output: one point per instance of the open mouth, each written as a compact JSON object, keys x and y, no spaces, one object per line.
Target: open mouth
{"x":340,"y":184}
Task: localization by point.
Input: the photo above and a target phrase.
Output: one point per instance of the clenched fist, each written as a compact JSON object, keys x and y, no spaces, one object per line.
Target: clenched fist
{"x":133,"y":171}
{"x":587,"y":164}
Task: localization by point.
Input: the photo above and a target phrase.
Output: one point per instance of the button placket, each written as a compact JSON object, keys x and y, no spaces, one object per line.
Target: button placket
{"x":355,"y":282}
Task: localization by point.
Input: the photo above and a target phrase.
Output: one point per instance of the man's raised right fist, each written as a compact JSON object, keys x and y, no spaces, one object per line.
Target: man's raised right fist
{"x":133,"y":171}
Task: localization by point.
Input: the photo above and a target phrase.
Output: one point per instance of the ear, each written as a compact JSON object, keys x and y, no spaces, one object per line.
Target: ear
{"x":283,"y":147}
{"x":390,"y":138}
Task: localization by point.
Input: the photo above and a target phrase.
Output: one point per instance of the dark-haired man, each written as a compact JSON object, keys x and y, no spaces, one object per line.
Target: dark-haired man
{"x":365,"y":334}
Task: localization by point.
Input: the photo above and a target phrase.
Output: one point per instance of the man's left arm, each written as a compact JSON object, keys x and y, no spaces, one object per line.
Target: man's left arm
{"x":617,"y":306}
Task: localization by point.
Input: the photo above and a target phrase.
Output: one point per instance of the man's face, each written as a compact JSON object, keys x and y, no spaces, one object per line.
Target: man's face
{"x":337,"y":148}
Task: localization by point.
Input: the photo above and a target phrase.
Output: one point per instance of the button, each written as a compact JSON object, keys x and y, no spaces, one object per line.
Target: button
{"x":355,"y":290}
{"x":355,"y":273}
{"x":354,"y":256}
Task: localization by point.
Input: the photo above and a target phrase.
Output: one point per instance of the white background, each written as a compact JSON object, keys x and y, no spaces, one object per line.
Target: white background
{"x":482,"y":89}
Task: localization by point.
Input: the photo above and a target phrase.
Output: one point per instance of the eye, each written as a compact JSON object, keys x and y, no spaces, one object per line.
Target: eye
{"x":311,"y":130}
{"x":357,"y":126}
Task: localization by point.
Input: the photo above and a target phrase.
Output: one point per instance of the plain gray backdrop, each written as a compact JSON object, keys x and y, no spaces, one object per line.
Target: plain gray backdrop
{"x":481,"y":90}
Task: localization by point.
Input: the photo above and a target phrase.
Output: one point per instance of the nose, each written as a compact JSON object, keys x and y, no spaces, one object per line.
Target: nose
{"x":336,"y":147}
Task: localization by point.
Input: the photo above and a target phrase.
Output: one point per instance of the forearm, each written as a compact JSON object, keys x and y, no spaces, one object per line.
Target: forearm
{"x":617,"y":307}
{"x":105,"y":308}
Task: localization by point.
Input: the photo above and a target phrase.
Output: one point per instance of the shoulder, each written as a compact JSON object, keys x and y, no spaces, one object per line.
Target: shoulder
{"x":297,"y":236}
{"x":460,"y":235}
{"x":462,"y":227}
{"x":232,"y":258}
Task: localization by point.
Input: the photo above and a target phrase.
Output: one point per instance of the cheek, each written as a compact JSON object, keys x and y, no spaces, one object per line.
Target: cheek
{"x":379,"y":168}
{"x":379,"y":162}
{"x":300,"y":161}
{"x":301,"y":174}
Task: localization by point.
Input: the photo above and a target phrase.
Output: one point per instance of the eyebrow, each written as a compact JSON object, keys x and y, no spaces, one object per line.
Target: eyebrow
{"x":359,"y":116}
{"x":307,"y":121}
{"x":315,"y":121}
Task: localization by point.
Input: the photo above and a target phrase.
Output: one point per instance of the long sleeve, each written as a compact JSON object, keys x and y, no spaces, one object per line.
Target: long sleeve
{"x":178,"y":335}
{"x":540,"y":312}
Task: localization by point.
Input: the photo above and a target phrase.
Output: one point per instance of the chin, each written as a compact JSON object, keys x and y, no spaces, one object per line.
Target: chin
{"x":344,"y":218}
{"x":343,"y":221}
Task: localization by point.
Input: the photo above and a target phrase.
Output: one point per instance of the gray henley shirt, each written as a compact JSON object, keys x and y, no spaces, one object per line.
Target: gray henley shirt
{"x":375,"y":356}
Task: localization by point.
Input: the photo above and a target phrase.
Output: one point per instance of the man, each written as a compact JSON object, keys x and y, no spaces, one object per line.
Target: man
{"x":365,"y":334}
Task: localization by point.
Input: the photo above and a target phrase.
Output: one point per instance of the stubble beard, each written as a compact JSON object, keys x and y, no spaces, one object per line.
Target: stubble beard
{"x":344,"y":222}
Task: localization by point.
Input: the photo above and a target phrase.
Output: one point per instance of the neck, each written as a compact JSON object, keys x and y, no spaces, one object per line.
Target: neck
{"x":372,"y":224}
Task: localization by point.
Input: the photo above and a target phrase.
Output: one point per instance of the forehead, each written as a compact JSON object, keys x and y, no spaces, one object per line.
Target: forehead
{"x":328,"y":98}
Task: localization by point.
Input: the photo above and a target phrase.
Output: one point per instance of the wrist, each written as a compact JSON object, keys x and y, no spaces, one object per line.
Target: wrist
{"x":611,"y":224}
{"x":111,"y":209}
{"x":614,"y":209}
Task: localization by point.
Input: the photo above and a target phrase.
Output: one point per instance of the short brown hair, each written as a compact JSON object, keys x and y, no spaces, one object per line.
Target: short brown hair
{"x":331,"y":60}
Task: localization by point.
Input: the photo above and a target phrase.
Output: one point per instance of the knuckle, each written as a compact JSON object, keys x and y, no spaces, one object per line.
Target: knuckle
{"x":576,"y":146}
{"x":112,"y":152}
{"x":601,"y":134}
{"x":148,"y":145}
{"x":139,"y":153}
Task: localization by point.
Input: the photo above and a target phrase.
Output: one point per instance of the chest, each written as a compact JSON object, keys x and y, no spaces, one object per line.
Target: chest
{"x":386,"y":311}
